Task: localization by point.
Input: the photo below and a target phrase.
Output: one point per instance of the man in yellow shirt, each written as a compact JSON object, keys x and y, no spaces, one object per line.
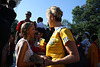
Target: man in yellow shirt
{"x":56,"y":46}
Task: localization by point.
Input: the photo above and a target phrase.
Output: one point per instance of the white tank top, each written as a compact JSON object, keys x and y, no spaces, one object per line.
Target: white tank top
{"x":28,"y":53}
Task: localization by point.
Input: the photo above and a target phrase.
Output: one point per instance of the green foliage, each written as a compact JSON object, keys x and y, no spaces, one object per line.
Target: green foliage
{"x":66,"y":23}
{"x":46,"y":25}
{"x":78,"y":14}
{"x":87,"y":18}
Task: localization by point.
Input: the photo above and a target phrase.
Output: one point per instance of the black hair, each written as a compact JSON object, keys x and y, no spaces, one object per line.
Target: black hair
{"x":3,"y":2}
{"x":78,"y":40}
{"x":86,"y":35}
{"x":41,"y":30}
{"x":94,"y":37}
{"x":12,"y":4}
{"x":40,"y":19}
{"x":29,"y":13}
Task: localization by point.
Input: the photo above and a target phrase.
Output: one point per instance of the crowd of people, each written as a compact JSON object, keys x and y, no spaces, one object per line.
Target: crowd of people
{"x":34,"y":45}
{"x":89,"y":50}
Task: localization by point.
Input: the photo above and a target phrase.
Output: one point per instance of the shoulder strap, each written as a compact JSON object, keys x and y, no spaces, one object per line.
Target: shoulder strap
{"x":60,"y":32}
{"x":60,"y":36}
{"x":62,"y":41}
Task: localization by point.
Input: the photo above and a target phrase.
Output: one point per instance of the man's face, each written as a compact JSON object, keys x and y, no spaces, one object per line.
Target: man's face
{"x":49,"y":21}
{"x":28,"y":16}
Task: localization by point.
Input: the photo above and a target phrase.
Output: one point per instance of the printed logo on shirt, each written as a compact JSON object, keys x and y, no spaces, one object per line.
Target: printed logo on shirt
{"x":53,"y":41}
{"x":65,"y":39}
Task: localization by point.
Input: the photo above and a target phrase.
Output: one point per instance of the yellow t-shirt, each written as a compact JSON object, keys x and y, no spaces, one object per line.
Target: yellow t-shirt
{"x":55,"y":48}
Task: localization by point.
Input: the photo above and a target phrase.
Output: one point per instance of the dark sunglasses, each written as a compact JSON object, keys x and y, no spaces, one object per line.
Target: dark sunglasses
{"x":28,"y":14}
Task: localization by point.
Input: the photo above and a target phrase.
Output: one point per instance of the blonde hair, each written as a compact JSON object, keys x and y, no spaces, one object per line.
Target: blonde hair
{"x":56,"y":12}
{"x":25,"y":26}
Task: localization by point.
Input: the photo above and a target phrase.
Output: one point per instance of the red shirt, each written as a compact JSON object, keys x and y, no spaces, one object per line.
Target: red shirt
{"x":36,"y":49}
{"x":19,"y":25}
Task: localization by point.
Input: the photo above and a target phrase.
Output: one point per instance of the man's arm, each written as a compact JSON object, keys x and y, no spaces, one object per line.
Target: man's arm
{"x":71,"y":58}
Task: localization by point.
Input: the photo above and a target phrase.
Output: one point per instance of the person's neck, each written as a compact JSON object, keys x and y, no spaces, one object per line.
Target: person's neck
{"x":27,"y":38}
{"x":27,"y":20}
{"x":58,"y":24}
{"x":39,"y":22}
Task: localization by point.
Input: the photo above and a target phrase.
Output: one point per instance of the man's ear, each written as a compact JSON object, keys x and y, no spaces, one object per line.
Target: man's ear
{"x":52,"y":17}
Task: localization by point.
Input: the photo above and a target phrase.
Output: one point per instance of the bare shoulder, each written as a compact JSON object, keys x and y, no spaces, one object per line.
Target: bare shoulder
{"x":25,"y":45}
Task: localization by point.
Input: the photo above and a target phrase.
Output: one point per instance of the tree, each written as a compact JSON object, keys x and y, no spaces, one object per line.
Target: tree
{"x":77,"y":14}
{"x":66,"y":23}
{"x":87,"y":17}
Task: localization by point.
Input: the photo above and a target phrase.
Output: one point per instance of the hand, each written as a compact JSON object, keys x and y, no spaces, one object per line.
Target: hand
{"x":41,"y":53}
{"x":48,"y":62}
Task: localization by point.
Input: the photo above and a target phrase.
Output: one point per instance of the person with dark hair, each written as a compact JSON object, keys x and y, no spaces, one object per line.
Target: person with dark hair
{"x":35,"y":45}
{"x":28,"y":16}
{"x":86,"y":41}
{"x":40,"y":23}
{"x":7,"y":12}
{"x":93,"y":53}
{"x":40,"y":19}
{"x":7,"y":16}
{"x":18,"y":35}
{"x":81,"y":50}
{"x":41,"y":30}
{"x":12,"y":4}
